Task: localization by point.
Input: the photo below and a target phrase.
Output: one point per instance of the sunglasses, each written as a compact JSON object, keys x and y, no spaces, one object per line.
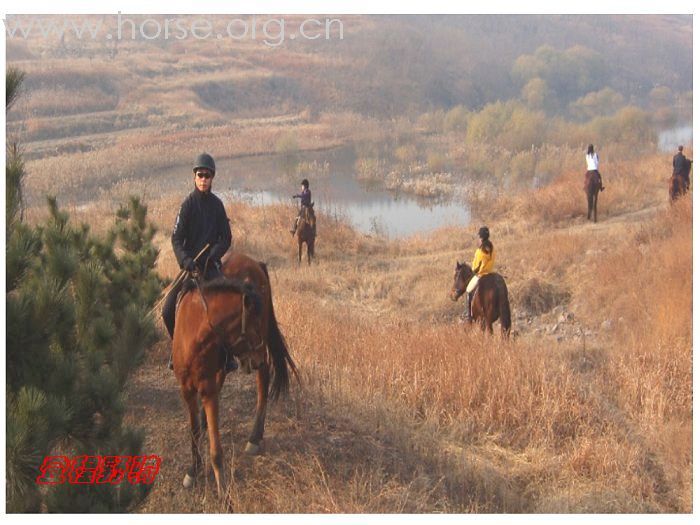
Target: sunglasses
{"x":204,"y":174}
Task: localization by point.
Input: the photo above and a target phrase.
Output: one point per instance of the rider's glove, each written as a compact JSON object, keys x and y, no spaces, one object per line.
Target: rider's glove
{"x":188,"y":264}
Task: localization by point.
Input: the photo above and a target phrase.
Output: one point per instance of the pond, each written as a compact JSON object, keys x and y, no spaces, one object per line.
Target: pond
{"x":261,"y":180}
{"x":336,"y":191}
{"x":670,"y":139}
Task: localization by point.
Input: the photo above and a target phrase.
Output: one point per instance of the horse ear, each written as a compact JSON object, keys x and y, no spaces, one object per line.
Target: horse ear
{"x":457,"y":265}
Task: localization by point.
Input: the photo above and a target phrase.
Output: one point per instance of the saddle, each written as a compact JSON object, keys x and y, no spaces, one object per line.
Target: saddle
{"x":248,"y":361}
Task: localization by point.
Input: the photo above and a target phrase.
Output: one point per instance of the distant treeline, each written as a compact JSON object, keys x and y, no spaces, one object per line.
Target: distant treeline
{"x":576,"y":67}
{"x":410,"y":62}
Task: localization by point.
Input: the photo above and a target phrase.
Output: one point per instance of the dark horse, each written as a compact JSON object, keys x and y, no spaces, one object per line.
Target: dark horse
{"x":592,"y":187}
{"x":490,"y":301}
{"x":306,"y":231}
{"x":679,"y":183}
{"x":235,"y":311}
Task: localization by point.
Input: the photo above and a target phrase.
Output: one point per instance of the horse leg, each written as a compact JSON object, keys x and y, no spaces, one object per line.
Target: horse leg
{"x":190,"y":397}
{"x":263,"y":384}
{"x":220,"y":377}
{"x":589,"y":197}
{"x":210,"y":402}
{"x":202,"y":420}
{"x":300,"y":246}
{"x":595,"y":206}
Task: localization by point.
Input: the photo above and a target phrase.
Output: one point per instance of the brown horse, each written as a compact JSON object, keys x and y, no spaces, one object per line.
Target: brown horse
{"x":490,"y":302}
{"x":232,"y":311}
{"x":306,"y":231}
{"x":592,"y":187}
{"x":676,"y":187}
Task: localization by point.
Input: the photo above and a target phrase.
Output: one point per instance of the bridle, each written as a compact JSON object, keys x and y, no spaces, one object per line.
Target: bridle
{"x":459,"y":272}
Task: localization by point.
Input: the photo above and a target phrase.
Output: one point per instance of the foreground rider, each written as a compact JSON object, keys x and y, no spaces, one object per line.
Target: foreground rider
{"x":482,"y":264}
{"x":305,"y":197}
{"x":202,"y":220}
{"x":592,"y":163}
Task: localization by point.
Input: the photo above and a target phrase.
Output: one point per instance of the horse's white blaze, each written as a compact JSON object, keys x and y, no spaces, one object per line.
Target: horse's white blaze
{"x":188,"y":481}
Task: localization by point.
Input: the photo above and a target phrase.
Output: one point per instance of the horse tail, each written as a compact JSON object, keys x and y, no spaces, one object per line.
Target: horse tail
{"x":504,"y":305}
{"x":281,"y":360}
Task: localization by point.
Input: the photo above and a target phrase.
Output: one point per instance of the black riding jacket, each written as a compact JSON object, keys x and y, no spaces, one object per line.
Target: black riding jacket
{"x":202,"y":219}
{"x":678,"y":164}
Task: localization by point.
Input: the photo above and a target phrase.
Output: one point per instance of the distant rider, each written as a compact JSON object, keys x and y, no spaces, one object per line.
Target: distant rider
{"x":305,"y":197}
{"x":592,"y":163}
{"x":681,"y":168}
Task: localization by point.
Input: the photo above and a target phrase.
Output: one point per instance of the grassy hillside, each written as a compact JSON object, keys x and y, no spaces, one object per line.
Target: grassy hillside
{"x":587,"y":409}
{"x":384,"y":65}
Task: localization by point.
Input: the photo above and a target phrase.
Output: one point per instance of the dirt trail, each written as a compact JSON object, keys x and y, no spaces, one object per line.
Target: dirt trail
{"x":310,"y":455}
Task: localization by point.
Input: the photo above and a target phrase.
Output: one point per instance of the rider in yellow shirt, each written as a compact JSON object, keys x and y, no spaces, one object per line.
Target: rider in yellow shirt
{"x":482,"y":264}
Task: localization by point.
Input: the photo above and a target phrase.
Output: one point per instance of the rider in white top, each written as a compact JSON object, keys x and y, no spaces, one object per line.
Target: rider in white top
{"x":592,"y":163}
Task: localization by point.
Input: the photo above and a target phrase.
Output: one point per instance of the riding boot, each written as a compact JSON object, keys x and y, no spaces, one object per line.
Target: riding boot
{"x":469,"y":307}
{"x":231,"y":362}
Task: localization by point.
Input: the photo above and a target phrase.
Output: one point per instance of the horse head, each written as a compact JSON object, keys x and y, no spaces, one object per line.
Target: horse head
{"x":462,"y":275}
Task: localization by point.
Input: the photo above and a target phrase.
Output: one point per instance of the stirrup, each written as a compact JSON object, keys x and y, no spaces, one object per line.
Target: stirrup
{"x":231,"y":364}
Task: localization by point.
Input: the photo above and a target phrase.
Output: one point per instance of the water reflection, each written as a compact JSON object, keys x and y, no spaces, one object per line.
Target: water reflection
{"x":369,"y":208}
{"x":670,"y":139}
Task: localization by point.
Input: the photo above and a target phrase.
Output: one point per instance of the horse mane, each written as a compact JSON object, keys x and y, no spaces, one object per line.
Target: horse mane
{"x":227,"y":284}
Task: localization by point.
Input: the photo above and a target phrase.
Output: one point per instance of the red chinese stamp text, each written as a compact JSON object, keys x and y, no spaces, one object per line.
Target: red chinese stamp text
{"x":90,"y":470}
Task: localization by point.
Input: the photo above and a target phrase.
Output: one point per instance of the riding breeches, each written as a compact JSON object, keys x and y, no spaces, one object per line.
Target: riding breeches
{"x":170,"y":305}
{"x":472,"y":284}
{"x":169,"y":309}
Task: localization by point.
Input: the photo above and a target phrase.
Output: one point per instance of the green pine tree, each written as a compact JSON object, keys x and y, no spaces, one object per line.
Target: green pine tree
{"x":78,"y":324}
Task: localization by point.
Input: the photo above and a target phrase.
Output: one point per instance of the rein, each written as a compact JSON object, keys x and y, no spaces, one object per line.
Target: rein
{"x":217,"y":328}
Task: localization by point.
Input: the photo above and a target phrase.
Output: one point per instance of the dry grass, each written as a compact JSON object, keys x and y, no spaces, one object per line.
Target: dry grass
{"x":402,"y":410}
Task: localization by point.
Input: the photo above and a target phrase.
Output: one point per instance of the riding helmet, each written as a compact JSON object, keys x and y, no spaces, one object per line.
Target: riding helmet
{"x":305,"y":183}
{"x":484,"y":233}
{"x":204,"y":160}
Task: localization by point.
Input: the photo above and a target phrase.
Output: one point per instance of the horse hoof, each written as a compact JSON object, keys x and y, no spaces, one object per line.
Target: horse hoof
{"x":188,"y":482}
{"x":252,"y":449}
